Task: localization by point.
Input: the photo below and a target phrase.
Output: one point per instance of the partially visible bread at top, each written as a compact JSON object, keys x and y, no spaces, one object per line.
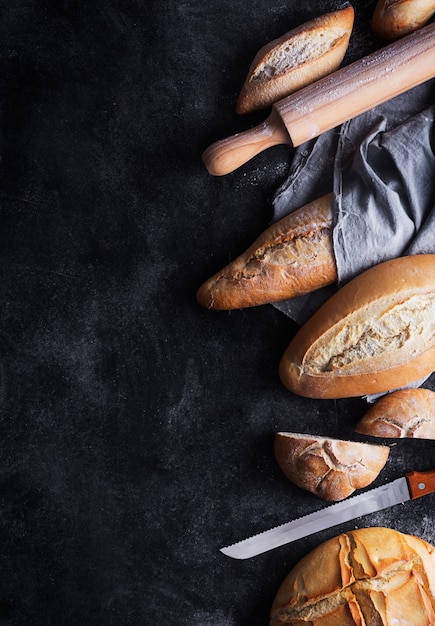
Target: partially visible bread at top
{"x":406,"y":413}
{"x":375,"y":334}
{"x":292,"y":257}
{"x":330,"y":468}
{"x":393,"y":19}
{"x":296,"y":59}
{"x":366,"y":577}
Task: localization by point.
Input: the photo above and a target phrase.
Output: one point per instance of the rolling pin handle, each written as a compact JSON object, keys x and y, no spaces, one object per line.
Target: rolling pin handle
{"x":226,"y":155}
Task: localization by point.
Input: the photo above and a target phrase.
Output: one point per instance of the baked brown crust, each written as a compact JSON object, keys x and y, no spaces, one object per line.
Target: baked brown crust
{"x":292,"y":257}
{"x":296,"y":59}
{"x":364,"y":577}
{"x":330,"y":468}
{"x":406,"y":413}
{"x":375,"y":334}
{"x":393,"y":19}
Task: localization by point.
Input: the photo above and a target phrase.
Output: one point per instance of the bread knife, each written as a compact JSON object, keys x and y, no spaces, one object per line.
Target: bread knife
{"x":411,"y":486}
{"x":332,"y":100}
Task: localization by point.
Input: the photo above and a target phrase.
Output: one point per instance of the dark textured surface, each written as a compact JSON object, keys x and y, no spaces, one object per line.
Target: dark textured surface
{"x":136,"y":428}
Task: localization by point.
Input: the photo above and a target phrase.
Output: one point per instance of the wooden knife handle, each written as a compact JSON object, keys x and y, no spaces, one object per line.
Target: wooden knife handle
{"x":226,"y":155}
{"x":421,"y":483}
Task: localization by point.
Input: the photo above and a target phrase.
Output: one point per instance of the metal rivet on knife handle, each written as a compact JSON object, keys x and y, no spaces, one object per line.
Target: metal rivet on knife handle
{"x":420,"y":483}
{"x":332,"y":100}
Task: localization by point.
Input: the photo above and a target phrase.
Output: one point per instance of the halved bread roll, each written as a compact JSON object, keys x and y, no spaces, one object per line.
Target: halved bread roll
{"x":406,"y":413}
{"x":296,"y":59}
{"x":365,"y":577}
{"x":292,"y":257}
{"x":330,"y":468}
{"x":393,"y":19}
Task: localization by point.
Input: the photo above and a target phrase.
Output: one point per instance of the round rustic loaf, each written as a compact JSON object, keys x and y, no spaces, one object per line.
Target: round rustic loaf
{"x":330,"y":468}
{"x":366,"y":577}
{"x":406,"y":413}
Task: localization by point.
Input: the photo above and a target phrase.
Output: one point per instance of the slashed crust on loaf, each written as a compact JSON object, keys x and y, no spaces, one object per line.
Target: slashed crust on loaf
{"x":295,"y":52}
{"x":330,"y":468}
{"x":296,"y":59}
{"x":393,"y":19}
{"x":366,"y":577}
{"x":359,"y":338}
{"x":292,"y":257}
{"x":375,"y":334}
{"x":407,"y":413}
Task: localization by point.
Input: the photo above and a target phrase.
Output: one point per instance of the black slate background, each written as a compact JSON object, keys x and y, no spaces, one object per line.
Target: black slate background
{"x":136,"y":428}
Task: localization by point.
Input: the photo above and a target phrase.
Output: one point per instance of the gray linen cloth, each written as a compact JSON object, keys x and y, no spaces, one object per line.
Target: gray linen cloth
{"x":381,"y":168}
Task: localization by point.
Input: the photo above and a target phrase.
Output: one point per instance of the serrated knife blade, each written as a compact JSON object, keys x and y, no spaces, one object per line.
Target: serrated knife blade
{"x":409,"y":487}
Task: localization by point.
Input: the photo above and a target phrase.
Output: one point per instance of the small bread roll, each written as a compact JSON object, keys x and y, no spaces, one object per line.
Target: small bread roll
{"x":296,"y":59}
{"x":292,"y":257}
{"x":375,"y":334}
{"x":405,"y":413}
{"x":366,"y":577}
{"x":330,"y":468}
{"x":393,"y":19}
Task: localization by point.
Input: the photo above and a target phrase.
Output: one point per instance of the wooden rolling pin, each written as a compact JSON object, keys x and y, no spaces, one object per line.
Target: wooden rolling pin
{"x":332,"y":100}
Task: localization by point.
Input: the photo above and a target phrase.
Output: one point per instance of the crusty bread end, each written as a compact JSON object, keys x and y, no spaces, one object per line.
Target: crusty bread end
{"x":292,"y":257}
{"x":298,"y":58}
{"x":406,"y":413}
{"x":330,"y":468}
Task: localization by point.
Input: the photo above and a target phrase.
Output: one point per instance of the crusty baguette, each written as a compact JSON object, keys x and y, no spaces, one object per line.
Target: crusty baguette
{"x":393,"y":19}
{"x":375,"y":334}
{"x":330,"y":468}
{"x":406,"y":413}
{"x":369,"y":576}
{"x":296,"y":59}
{"x":292,"y":257}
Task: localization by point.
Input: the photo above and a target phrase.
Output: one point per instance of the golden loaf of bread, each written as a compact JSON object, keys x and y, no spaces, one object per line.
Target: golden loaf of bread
{"x":366,"y":577}
{"x":298,"y":58}
{"x":292,"y":257}
{"x":375,"y":334}
{"x":404,"y":413}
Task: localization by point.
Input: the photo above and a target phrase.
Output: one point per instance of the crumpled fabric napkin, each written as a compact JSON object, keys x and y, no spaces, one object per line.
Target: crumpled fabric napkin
{"x":381,"y":168}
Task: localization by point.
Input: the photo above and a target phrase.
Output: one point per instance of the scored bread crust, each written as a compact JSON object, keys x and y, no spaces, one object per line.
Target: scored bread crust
{"x":393,"y":19}
{"x":406,"y":413}
{"x":292,"y":257}
{"x":330,"y":468}
{"x":296,"y":59}
{"x":369,"y":576}
{"x":375,"y":334}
